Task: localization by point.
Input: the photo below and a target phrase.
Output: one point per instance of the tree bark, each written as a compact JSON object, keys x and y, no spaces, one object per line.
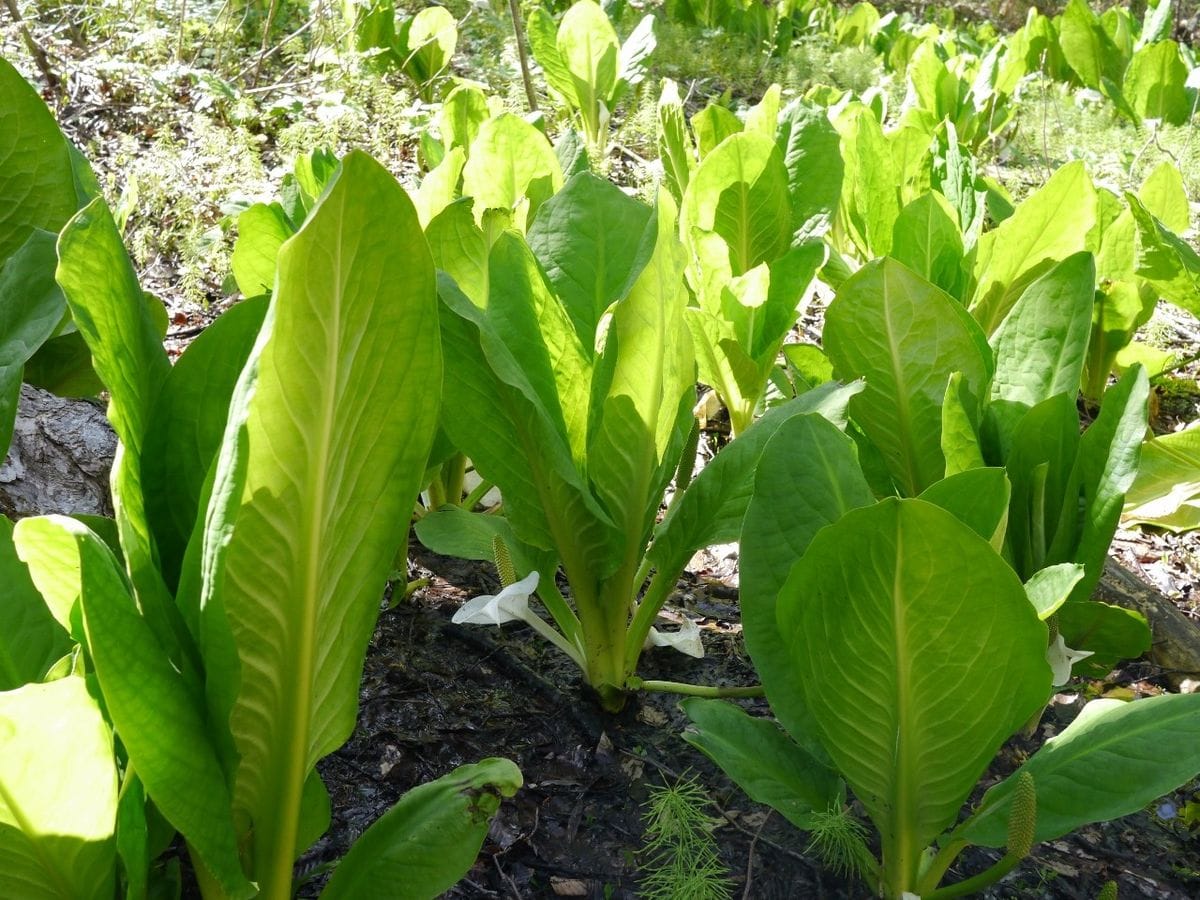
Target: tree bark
{"x":1176,"y":638}
{"x":59,"y":459}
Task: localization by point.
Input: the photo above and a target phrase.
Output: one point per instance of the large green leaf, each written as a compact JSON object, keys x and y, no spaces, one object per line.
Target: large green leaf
{"x":1104,"y":470}
{"x":329,"y":430}
{"x":429,"y":839}
{"x":516,"y":375}
{"x":766,"y":764}
{"x":454,"y":531}
{"x":114,"y":318}
{"x":262,"y":229}
{"x":1049,"y":226}
{"x":30,"y":638}
{"x":159,"y":720}
{"x":186,"y":426}
{"x":589,"y":49}
{"x":1111,"y":761}
{"x":511,"y":164}
{"x":933,"y":86}
{"x":1164,"y":195}
{"x":463,"y":111}
{"x":927,"y":239}
{"x":440,"y":186}
{"x":428,"y":41}
{"x":1165,"y":260}
{"x":37,"y":186}
{"x":1155,"y":84}
{"x":1087,"y":46}
{"x":808,"y":477}
{"x":634,"y":449}
{"x":587,"y":238}
{"x":712,"y":125}
{"x":460,"y":249}
{"x":1041,"y":345}
{"x":1110,"y":633}
{"x":740,"y":192}
{"x":543,"y":43}
{"x":918,"y":654}
{"x":31,"y":308}
{"x":870,"y":195}
{"x":978,"y":498}
{"x":1165,"y":491}
{"x":813,"y":160}
{"x":905,"y":337}
{"x":1039,"y":458}
{"x":634,"y":59}
{"x":58,"y":794}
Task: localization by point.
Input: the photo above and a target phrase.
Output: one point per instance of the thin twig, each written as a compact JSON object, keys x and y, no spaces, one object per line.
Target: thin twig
{"x":1045,"y":137}
{"x":519,"y":30}
{"x":40,"y":59}
{"x":750,"y":856}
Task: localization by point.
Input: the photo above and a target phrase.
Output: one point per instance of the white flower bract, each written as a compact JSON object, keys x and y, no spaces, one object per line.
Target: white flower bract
{"x":510,"y":605}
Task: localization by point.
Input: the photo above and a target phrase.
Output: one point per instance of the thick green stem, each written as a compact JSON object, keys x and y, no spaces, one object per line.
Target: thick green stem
{"x":604,"y":621}
{"x":454,"y":471}
{"x":477,"y":494}
{"x":657,"y":593}
{"x":938,"y":866}
{"x":977,"y":882}
{"x":436,"y":492}
{"x":901,"y":864}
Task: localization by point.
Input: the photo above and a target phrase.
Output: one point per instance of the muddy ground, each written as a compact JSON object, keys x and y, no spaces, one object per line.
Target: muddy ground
{"x":437,"y":695}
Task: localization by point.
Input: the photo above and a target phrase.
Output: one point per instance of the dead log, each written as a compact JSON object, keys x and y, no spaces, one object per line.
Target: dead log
{"x":1176,"y":638}
{"x":59,"y":459}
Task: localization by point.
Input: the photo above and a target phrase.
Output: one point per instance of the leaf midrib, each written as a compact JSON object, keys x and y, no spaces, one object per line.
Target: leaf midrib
{"x":904,"y":825}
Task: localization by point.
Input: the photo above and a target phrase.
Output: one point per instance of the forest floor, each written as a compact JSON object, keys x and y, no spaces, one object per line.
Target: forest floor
{"x":180,"y":151}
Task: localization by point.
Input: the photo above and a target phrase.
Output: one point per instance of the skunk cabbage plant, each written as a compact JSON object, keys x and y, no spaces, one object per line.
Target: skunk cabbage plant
{"x":206,"y":712}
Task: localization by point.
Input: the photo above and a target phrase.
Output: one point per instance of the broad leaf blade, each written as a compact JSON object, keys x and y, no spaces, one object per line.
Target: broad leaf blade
{"x":1111,"y":761}
{"x":1041,"y":345}
{"x":646,"y":414}
{"x":1051,"y":225}
{"x":765,"y":762}
{"x":262,"y":229}
{"x":918,"y":654}
{"x":329,"y":431}
{"x":978,"y":498}
{"x":927,"y":239}
{"x":1168,"y":478}
{"x":30,"y":638}
{"x":159,"y":720}
{"x":587,"y":238}
{"x":808,"y":477}
{"x":37,"y":187}
{"x":58,"y":798}
{"x":740,"y":191}
{"x":711,"y":510}
{"x":905,"y":337}
{"x":186,"y":427}
{"x":114,"y":318}
{"x":429,"y":839}
{"x":1104,"y":470}
{"x":510,"y":162}
{"x":811,"y":155}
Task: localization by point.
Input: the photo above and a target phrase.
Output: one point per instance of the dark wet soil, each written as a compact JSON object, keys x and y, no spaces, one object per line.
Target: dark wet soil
{"x":437,"y":695}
